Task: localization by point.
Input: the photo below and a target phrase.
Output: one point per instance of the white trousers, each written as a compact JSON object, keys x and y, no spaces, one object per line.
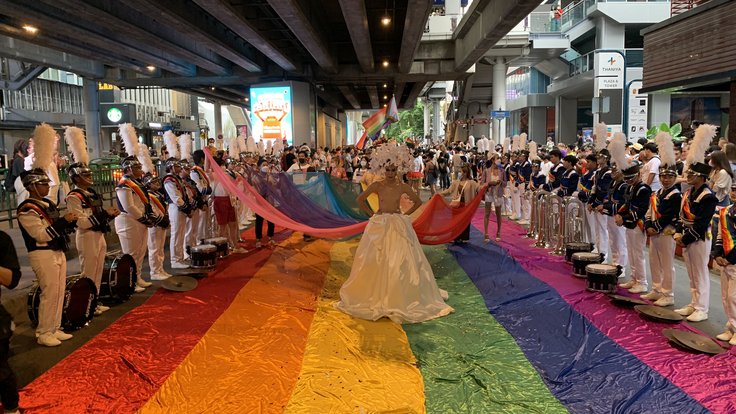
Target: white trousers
{"x":728,"y":295}
{"x":92,"y":247}
{"x":526,"y":204}
{"x":132,"y":236}
{"x":661,"y":263}
{"x":600,"y":225}
{"x":515,"y":202}
{"x":205,"y":224}
{"x":696,"y":261}
{"x":192,"y":229}
{"x":636,"y":245}
{"x":617,"y":236}
{"x":50,"y":269}
{"x":590,"y":227}
{"x":156,"y":243}
{"x":178,"y":226}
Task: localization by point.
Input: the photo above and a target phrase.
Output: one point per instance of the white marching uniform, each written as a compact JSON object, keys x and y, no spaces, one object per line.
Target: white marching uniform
{"x":199,"y":176}
{"x":90,"y":237}
{"x":157,"y":238}
{"x":133,"y":205}
{"x":194,"y":219}
{"x":177,"y":199}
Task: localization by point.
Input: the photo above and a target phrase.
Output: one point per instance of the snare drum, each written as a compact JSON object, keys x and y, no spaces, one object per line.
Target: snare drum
{"x":602,"y":277}
{"x":204,"y":255}
{"x":220,"y":243}
{"x":582,"y":259}
{"x":118,"y":278}
{"x":80,"y":302}
{"x":571,"y":248}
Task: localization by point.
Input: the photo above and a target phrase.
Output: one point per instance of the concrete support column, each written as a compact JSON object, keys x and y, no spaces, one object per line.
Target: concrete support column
{"x":437,"y":124}
{"x":498,"y":131}
{"x":427,"y":117}
{"x":91,"y":105}
{"x":659,"y":108}
{"x":537,"y":124}
{"x":218,"y":120}
{"x":566,"y":118}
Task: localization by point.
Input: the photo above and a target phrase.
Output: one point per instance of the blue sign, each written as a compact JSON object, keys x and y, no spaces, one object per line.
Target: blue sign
{"x":500,"y":114}
{"x":270,"y":113}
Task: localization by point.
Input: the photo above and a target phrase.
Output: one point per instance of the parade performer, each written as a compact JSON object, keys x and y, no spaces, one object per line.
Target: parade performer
{"x":93,"y":221}
{"x":725,"y":256}
{"x":569,"y":179}
{"x":631,"y":216}
{"x":601,"y":185}
{"x":614,"y":200}
{"x":555,"y":172}
{"x":135,"y":208}
{"x":390,"y":276}
{"x":494,"y":177}
{"x":160,"y":216}
{"x":179,"y":206}
{"x":199,"y":176}
{"x":664,"y":210}
{"x":463,"y":191}
{"x":693,"y":228}
{"x":194,"y":221}
{"x":514,"y":178}
{"x":525,"y":176}
{"x":46,"y":236}
{"x":585,"y":189}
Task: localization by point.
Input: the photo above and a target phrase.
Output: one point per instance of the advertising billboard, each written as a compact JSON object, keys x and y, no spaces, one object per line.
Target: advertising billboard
{"x":271,"y":113}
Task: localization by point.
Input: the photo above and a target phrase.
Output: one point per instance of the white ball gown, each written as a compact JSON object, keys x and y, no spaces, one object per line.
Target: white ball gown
{"x":391,"y":276}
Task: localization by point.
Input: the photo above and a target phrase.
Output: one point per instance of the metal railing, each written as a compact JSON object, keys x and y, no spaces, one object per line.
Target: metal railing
{"x":586,"y":62}
{"x":579,"y":11}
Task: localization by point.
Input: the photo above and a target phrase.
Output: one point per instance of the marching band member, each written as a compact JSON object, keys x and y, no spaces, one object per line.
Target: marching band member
{"x":601,"y":185}
{"x":525,"y":175}
{"x":193,"y":194}
{"x":631,"y":216}
{"x":725,"y":256}
{"x":199,"y":176}
{"x":555,"y":172}
{"x":178,"y":203}
{"x":585,"y":188}
{"x":45,"y":234}
{"x":614,"y":200}
{"x":135,"y":208}
{"x":515,"y":179}
{"x":93,"y":221}
{"x":160,"y":217}
{"x":538,"y":179}
{"x":693,"y":228}
{"x":568,"y":181}
{"x":661,"y":219}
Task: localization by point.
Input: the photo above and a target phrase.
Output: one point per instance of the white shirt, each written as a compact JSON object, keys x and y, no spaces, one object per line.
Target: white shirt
{"x":652,"y":166}
{"x":418,"y":165}
{"x":545,"y":168}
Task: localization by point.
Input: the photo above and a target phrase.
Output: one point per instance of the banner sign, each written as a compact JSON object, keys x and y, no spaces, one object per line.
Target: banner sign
{"x":271,"y":114}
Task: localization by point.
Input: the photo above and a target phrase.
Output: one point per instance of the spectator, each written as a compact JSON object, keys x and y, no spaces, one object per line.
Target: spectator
{"x":20,"y":151}
{"x":9,"y":277}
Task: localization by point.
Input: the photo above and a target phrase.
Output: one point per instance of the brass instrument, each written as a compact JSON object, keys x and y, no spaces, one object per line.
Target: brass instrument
{"x":568,"y":223}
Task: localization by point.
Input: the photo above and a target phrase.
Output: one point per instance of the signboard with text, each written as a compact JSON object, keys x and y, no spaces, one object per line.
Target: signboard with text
{"x":271,"y":113}
{"x":608,"y":86}
{"x":638,"y":103}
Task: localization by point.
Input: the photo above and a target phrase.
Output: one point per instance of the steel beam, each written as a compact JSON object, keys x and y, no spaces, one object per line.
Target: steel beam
{"x":484,"y":25}
{"x":417,"y":13}
{"x":293,"y":16}
{"x":143,"y":31}
{"x":349,"y":95}
{"x":399,"y":92}
{"x":39,"y":55}
{"x":223,"y":11}
{"x":411,"y":100}
{"x":183,"y":82}
{"x":210,"y":34}
{"x":57,"y":21}
{"x":373,"y":95}
{"x":356,"y":19}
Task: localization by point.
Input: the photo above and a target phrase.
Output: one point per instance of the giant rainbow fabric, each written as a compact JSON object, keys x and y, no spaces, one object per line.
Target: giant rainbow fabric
{"x":261,"y":335}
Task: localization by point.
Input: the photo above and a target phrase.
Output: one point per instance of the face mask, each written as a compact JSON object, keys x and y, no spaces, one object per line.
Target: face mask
{"x":363,"y":163}
{"x":264,"y":169}
{"x":302,"y":160}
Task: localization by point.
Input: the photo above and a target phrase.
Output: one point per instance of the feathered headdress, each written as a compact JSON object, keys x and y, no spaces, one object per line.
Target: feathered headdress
{"x":522,"y":141}
{"x":391,"y":153}
{"x":240,"y":142}
{"x":171,"y":144}
{"x":144,"y":157}
{"x":703,"y":137}
{"x":666,"y":148}
{"x":617,"y":148}
{"x":44,"y":138}
{"x":77,"y":144}
{"x":601,"y":134}
{"x":232,"y":149}
{"x":130,"y":139}
{"x":261,"y":149}
{"x":491,"y":145}
{"x":533,"y":152}
{"x":185,"y":146}
{"x":278,"y":147}
{"x":250,"y":145}
{"x":269,"y":147}
{"x":506,"y":144}
{"x":515,"y":143}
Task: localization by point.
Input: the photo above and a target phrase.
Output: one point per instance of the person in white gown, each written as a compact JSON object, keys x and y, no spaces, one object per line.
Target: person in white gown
{"x":391,"y":276}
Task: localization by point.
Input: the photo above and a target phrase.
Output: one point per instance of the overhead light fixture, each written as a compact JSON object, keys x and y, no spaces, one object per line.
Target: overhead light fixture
{"x":247,"y":99}
{"x":385,"y":96}
{"x":385,"y":63}
{"x":151,"y":68}
{"x":212,"y":88}
{"x":30,"y":29}
{"x":385,"y":85}
{"x":386,"y":20}
{"x":385,"y":105}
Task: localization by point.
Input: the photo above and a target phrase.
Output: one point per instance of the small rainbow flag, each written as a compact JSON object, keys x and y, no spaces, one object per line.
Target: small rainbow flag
{"x":361,"y":142}
{"x":374,"y":124}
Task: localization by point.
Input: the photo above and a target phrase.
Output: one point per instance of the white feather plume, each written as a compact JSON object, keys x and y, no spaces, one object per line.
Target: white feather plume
{"x":144,"y":157}
{"x":233,"y":150}
{"x":269,"y":147}
{"x":75,"y":140}
{"x":617,"y":149}
{"x":130,"y":138}
{"x":506,"y":145}
{"x":491,"y":145}
{"x":515,"y":143}
{"x":666,"y":148}
{"x":241,"y":143}
{"x":185,"y":146}
{"x":278,"y":147}
{"x":171,"y":144}
{"x":703,"y":137}
{"x":261,"y":148}
{"x":522,"y":141}
{"x":533,"y":151}
{"x":251,"y":145}
{"x":44,"y":139}
{"x":601,"y":134}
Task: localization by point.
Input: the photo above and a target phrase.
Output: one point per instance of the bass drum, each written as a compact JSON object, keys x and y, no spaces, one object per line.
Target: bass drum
{"x":80,"y":302}
{"x":118,"y":278}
